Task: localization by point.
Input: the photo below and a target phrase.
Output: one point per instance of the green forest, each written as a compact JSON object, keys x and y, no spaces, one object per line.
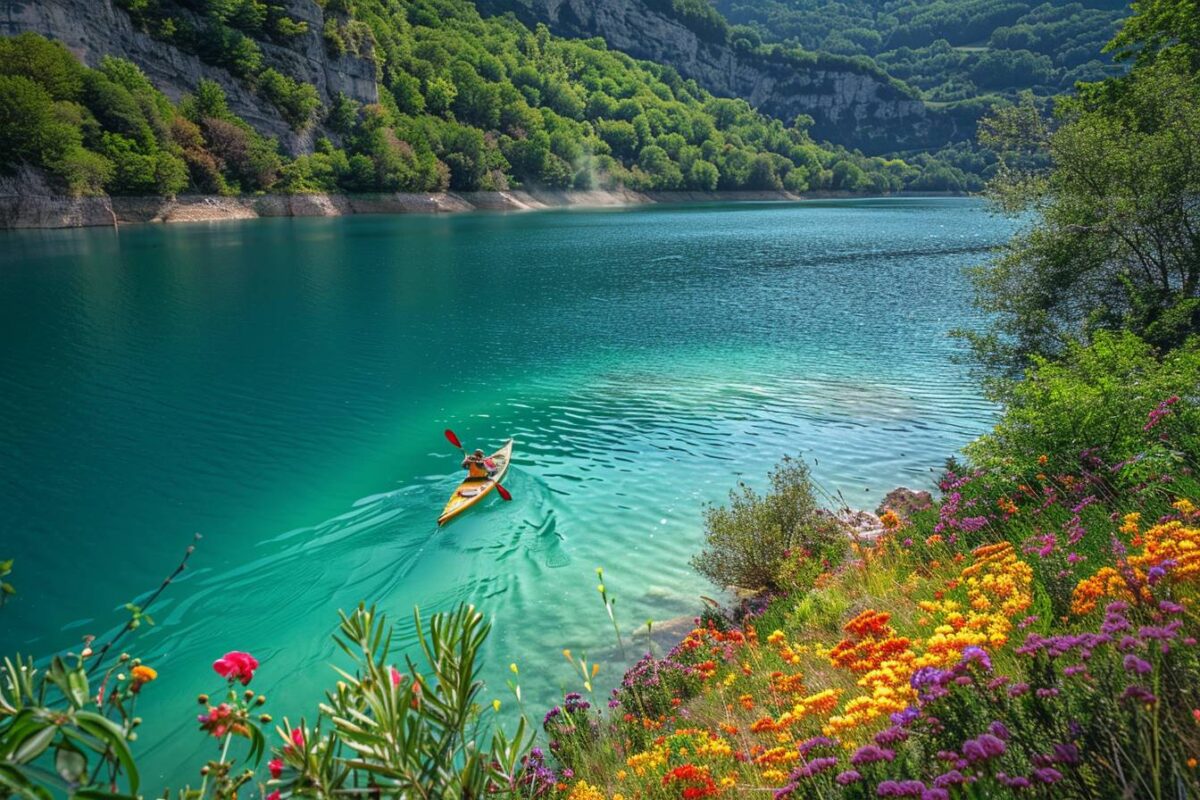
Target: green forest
{"x":948,"y":50}
{"x":465,"y":103}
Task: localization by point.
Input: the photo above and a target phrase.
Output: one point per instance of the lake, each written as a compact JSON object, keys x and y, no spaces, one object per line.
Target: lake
{"x":281,"y":386}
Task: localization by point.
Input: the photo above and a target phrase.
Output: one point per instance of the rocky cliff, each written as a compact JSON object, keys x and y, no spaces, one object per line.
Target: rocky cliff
{"x":851,"y":105}
{"x":93,"y":29}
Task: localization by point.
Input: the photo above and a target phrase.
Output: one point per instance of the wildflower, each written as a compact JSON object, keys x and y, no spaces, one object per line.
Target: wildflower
{"x":1139,"y":694}
{"x":1134,"y":664}
{"x":1014,"y":781}
{"x":869,"y":754}
{"x":814,"y":767}
{"x":1047,"y":775}
{"x":141,"y":675}
{"x":890,"y":519}
{"x":275,"y":765}
{"x":274,"y":795}
{"x":983,"y":747}
{"x":900,"y":789}
{"x":848,"y":777}
{"x":977,"y":655}
{"x":236,"y":666}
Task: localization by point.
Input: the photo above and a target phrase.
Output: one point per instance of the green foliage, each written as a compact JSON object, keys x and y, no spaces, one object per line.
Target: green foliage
{"x":950,"y":49}
{"x":1100,"y":396}
{"x":297,"y":102}
{"x":1115,"y":245}
{"x":412,"y":732}
{"x":749,"y":543}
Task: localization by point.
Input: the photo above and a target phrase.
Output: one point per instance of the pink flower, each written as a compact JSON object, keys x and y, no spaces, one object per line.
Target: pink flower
{"x":276,"y":767}
{"x":273,"y":795}
{"x":397,"y":678}
{"x":236,"y":666}
{"x":298,"y":737}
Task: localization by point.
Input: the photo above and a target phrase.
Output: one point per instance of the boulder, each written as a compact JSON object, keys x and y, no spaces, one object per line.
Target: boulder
{"x":905,"y":502}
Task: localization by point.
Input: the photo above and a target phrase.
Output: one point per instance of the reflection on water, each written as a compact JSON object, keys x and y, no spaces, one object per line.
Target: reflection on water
{"x":281,"y":386}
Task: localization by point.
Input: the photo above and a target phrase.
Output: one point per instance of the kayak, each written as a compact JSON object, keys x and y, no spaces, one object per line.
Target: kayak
{"x":472,"y":490}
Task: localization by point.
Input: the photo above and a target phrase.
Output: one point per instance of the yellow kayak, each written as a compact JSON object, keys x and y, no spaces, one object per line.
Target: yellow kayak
{"x":472,"y":490}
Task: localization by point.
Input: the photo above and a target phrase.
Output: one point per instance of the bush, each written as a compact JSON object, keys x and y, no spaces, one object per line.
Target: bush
{"x":1106,"y":398}
{"x":748,"y":542}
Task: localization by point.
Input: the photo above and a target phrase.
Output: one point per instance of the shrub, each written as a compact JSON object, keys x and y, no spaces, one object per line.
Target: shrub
{"x":747,"y":543}
{"x":1105,"y":398}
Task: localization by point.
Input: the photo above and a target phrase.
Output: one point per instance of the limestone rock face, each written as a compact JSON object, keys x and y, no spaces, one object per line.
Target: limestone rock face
{"x":93,"y":29}
{"x":850,"y":105}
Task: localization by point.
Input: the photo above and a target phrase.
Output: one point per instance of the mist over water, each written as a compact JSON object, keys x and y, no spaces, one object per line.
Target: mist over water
{"x":281,"y":386}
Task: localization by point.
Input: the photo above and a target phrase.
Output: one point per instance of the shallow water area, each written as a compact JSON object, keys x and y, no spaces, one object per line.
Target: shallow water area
{"x":281,"y":386}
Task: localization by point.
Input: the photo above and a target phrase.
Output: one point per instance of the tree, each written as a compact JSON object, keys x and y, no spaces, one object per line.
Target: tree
{"x":29,"y":129}
{"x":1118,"y":242}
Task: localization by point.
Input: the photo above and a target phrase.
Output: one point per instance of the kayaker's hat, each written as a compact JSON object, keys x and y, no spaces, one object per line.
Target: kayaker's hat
{"x":478,"y":452}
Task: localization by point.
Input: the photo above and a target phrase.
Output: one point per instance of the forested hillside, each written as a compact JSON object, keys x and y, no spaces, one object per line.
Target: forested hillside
{"x":949,"y":50}
{"x":463,"y":103}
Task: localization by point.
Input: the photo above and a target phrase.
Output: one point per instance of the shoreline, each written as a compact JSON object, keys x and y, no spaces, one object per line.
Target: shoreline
{"x":47,"y":211}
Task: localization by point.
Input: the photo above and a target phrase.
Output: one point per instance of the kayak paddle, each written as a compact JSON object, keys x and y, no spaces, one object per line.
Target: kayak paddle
{"x":450,"y":437}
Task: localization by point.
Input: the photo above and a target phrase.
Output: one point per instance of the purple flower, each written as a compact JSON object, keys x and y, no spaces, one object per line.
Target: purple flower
{"x":977,"y":655}
{"x":1014,"y":781}
{"x":848,"y":777}
{"x":808,"y":745}
{"x":1018,"y":689}
{"x":869,"y":754}
{"x":1134,"y":664}
{"x":1139,"y":694}
{"x":1047,"y":775}
{"x":900,"y":789}
{"x":935,"y":794}
{"x":1170,"y":607}
{"x":906,"y":717}
{"x":891,"y":736}
{"x":948,"y":779}
{"x":983,"y":747}
{"x":814,"y":767}
{"x":998,"y":730}
{"x":1045,"y":693}
{"x":1066,"y":753}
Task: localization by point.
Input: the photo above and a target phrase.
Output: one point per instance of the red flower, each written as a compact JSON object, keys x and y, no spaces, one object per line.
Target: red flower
{"x":236,"y":666}
{"x":276,"y":767}
{"x":273,"y":795}
{"x":298,"y":737}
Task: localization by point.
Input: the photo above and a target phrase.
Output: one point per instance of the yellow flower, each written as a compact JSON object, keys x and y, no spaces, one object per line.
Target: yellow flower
{"x":621,"y":774}
{"x":496,"y":705}
{"x":585,"y":791}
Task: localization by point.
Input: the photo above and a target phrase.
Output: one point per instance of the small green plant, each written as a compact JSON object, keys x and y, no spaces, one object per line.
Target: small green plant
{"x":748,"y":541}
{"x":6,"y":588}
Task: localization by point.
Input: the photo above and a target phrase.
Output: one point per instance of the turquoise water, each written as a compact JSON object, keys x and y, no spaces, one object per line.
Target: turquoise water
{"x":280,"y":386}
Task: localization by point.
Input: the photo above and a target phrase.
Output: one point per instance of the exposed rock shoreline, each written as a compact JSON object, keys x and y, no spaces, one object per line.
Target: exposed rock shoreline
{"x":24,"y":209}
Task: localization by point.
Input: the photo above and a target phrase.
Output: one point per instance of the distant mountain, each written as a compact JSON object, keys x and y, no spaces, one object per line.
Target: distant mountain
{"x":851,"y":100}
{"x":949,"y":49}
{"x":294,"y":96}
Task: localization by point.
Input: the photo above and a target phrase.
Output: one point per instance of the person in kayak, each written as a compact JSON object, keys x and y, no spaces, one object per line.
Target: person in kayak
{"x":478,"y":465}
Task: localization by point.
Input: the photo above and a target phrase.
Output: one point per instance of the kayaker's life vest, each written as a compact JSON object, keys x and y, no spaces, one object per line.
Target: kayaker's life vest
{"x":476,"y":469}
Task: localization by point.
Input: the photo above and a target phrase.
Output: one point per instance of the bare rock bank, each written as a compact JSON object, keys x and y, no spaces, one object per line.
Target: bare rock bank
{"x":24,"y":206}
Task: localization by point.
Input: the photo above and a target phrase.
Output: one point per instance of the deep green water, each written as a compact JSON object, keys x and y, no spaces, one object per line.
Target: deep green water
{"x":280,"y":386}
